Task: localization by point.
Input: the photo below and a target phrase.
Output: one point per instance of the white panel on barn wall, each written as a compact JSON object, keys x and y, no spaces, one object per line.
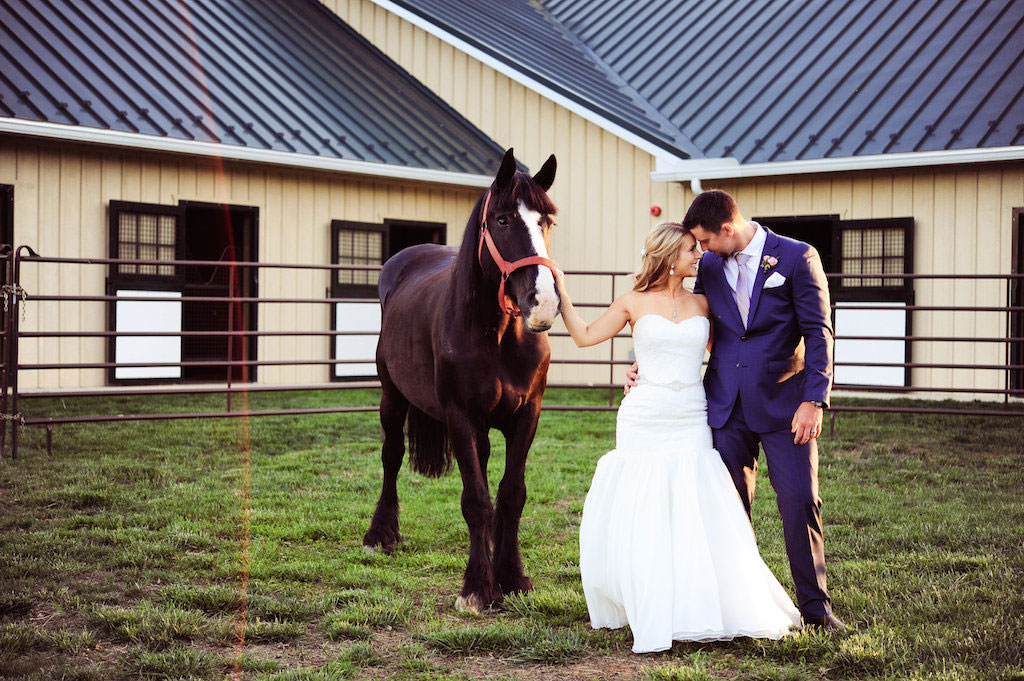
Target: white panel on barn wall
{"x":887,"y":319}
{"x":143,"y":315}
{"x":356,"y":317}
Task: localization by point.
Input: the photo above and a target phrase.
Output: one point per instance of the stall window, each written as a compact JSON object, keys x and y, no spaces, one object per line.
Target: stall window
{"x":144,"y":232}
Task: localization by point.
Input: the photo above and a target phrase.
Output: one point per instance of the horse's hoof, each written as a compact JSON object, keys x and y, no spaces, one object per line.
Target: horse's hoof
{"x":371,"y":549}
{"x":471,"y":603}
{"x":383,"y":541}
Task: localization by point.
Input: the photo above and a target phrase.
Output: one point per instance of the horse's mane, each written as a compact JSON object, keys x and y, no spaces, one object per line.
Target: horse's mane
{"x":467,"y":270}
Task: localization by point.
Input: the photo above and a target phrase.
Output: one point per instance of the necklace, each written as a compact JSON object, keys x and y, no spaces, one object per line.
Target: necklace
{"x":675,"y":301}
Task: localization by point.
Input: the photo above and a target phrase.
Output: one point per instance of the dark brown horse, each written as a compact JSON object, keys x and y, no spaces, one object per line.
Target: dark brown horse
{"x":461,"y":351}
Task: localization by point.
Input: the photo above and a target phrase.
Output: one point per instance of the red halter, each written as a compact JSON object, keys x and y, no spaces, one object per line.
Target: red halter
{"x":505,"y":266}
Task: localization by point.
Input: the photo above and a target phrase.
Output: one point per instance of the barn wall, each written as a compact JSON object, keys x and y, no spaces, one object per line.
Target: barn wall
{"x":603,"y":188}
{"x":61,"y":194}
{"x":604,"y":192}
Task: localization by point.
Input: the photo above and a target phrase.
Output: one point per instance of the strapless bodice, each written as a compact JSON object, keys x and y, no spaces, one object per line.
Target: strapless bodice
{"x":668,"y":405}
{"x":670,"y":353}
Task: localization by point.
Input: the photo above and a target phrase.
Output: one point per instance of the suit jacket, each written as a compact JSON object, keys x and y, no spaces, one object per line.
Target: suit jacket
{"x":784,"y":356}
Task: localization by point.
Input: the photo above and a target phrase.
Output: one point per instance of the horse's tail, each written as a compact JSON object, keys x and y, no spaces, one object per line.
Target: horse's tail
{"x":430,"y":452}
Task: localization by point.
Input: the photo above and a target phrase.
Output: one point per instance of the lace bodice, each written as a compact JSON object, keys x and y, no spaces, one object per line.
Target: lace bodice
{"x":670,"y":353}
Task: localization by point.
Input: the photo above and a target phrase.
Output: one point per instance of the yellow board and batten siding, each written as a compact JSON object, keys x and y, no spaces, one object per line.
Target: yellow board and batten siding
{"x":61,"y":197}
{"x":604,"y":193}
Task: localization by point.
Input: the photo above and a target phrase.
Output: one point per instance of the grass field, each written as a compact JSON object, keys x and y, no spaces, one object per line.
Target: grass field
{"x":146,"y":551}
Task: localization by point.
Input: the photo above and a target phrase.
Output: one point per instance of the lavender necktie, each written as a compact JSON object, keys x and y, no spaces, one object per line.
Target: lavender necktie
{"x":742,"y":290}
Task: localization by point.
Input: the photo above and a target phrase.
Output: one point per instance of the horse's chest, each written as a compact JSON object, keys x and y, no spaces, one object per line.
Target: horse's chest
{"x":498,"y":380}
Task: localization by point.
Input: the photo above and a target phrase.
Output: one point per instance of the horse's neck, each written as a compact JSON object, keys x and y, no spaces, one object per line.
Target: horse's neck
{"x":474,"y":293}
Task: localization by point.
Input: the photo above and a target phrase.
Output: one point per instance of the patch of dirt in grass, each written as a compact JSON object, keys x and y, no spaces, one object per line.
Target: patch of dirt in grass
{"x":311,"y":649}
{"x":618,"y":666}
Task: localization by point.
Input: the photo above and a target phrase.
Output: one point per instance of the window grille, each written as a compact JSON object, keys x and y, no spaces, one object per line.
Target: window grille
{"x":357,"y":247}
{"x":144,"y":232}
{"x":883,"y":246}
{"x":357,"y":243}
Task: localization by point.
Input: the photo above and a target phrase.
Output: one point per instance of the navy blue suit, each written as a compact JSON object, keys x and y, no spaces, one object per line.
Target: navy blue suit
{"x":756,"y":379}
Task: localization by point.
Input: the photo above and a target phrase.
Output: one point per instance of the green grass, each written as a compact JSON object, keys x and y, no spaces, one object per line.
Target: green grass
{"x":147,"y":550}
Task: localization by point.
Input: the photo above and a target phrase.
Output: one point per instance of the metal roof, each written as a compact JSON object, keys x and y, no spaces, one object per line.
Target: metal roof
{"x":282,"y":75}
{"x":784,"y":80}
{"x":521,"y":34}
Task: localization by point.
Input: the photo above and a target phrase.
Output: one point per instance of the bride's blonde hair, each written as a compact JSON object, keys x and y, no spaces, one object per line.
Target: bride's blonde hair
{"x":661,"y":247}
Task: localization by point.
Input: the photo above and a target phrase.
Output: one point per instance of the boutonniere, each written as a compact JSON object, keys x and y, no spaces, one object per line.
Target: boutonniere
{"x":768,"y":262}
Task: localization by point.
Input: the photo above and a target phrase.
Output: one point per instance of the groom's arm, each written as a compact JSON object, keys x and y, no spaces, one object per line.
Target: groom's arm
{"x":814,"y":315}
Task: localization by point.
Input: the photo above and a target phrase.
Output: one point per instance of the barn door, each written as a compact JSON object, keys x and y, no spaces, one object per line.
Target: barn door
{"x":219,"y":233}
{"x":1016,"y":326}
{"x":145,"y":232}
{"x":882,"y":246}
{"x":356,"y":243}
{"x":361,"y":243}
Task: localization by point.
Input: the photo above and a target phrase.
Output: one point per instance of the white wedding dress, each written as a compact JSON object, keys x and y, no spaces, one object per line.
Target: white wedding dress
{"x":665,"y":545}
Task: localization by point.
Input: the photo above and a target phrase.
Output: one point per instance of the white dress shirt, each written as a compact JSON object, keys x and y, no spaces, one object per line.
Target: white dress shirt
{"x":753,"y":249}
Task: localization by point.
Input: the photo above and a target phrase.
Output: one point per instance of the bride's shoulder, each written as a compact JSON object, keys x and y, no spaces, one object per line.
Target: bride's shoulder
{"x":636,"y":302}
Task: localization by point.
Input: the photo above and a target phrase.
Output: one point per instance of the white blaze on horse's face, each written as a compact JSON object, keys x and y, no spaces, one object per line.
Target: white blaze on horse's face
{"x":544,"y":311}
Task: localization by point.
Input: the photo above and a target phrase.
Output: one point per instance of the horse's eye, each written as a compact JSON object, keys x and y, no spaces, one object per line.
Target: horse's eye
{"x":503,"y":220}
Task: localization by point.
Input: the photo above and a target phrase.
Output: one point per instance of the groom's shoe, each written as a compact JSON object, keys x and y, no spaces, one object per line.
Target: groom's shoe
{"x":828,"y":622}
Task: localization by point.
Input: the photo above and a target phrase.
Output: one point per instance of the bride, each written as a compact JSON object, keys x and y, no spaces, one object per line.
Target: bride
{"x":665,"y":545}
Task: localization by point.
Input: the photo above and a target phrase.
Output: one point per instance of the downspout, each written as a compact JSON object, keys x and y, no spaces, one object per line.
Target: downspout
{"x":695,"y":186}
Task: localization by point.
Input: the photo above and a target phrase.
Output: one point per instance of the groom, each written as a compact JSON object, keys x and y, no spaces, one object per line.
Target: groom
{"x":770,"y":374}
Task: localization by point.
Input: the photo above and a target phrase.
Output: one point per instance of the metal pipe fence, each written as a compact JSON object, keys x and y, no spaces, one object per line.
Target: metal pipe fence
{"x":1006,"y":378}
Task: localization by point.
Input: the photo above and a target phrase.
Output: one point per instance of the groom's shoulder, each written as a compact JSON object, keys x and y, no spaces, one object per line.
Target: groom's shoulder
{"x":792,"y":245}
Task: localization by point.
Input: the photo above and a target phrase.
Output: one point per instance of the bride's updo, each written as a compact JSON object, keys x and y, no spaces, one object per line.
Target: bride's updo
{"x":661,"y":248}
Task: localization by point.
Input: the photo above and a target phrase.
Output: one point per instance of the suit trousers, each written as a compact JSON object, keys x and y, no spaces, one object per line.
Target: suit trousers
{"x":793,"y":471}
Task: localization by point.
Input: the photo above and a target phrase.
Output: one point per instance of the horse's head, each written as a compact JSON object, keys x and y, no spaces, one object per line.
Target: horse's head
{"x":519,"y":217}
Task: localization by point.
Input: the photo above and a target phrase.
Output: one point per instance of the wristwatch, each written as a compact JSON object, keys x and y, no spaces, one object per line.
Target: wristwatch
{"x":817,"y":403}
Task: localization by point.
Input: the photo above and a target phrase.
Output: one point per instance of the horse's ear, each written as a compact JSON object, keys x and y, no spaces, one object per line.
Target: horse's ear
{"x":506,"y":171}
{"x":545,"y":177}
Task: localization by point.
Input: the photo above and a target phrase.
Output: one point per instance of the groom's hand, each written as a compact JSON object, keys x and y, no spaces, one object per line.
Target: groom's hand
{"x":806,"y":423}
{"x":631,"y":376}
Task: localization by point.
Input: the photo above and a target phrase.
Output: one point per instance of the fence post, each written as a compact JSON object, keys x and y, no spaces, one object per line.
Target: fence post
{"x":231,"y":328}
{"x":611,"y":362}
{"x":7,"y":253}
{"x":13,"y":354}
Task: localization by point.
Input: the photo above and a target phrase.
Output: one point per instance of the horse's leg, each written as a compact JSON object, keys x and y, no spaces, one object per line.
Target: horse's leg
{"x":479,"y":590}
{"x":508,"y":564}
{"x":483,"y":455}
{"x":394,"y":407}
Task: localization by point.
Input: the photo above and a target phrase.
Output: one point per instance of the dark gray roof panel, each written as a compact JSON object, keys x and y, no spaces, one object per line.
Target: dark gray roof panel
{"x":782,"y":80}
{"x":268,"y":74}
{"x":522,"y":34}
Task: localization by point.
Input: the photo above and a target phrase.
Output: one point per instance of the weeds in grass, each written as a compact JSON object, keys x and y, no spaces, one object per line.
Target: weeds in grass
{"x":695,"y":668}
{"x":17,"y":638}
{"x":261,"y":631}
{"x":173,"y":663}
{"x":337,"y":627}
{"x":71,"y":641}
{"x":555,"y":606}
{"x":515,"y":641}
{"x":155,"y":626}
{"x":371,"y":608}
{"x":213,"y":600}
